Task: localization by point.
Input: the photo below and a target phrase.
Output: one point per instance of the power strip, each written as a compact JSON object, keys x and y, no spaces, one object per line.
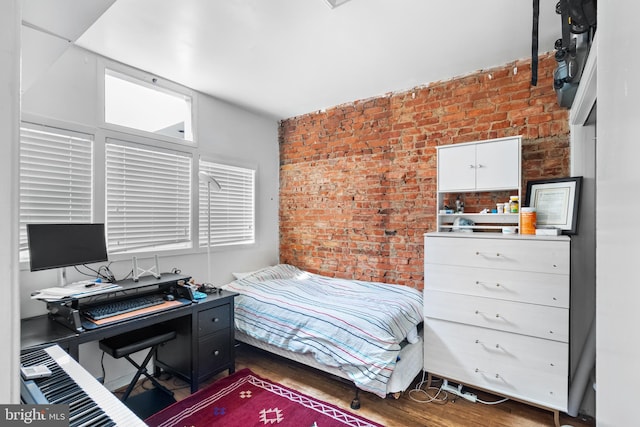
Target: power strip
{"x":458,"y":391}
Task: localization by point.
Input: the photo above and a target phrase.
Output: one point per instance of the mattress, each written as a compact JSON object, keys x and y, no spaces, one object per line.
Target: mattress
{"x":354,"y":326}
{"x":408,"y":366}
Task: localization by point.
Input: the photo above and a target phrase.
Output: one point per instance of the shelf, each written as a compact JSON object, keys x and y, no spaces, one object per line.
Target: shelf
{"x":475,"y":227}
{"x":488,"y":218}
{"x":482,"y":222}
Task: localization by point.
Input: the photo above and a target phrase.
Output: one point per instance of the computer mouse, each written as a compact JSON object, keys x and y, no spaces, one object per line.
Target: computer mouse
{"x":169,"y":297}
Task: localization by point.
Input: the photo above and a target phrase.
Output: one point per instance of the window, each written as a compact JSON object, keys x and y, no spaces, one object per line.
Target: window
{"x":148,"y":198}
{"x":232,"y":208}
{"x":55,"y":178}
{"x":147,"y":106}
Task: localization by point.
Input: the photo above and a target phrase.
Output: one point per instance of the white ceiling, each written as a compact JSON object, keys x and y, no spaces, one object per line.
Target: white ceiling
{"x":290,"y":57}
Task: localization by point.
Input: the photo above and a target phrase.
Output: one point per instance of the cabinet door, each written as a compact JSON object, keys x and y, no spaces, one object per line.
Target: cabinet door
{"x":497,"y":165}
{"x":457,"y":168}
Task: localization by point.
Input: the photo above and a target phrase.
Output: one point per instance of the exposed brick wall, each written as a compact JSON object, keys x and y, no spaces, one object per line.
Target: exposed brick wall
{"x":358,"y":181}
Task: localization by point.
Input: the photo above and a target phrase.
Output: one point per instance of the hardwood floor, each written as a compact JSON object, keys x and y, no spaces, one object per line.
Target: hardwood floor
{"x":390,"y":412}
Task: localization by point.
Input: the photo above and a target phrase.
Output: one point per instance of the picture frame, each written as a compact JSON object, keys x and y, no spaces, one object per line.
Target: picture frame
{"x":556,"y":202}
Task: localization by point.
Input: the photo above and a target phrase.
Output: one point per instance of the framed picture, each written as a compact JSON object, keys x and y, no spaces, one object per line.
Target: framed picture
{"x":556,"y":202}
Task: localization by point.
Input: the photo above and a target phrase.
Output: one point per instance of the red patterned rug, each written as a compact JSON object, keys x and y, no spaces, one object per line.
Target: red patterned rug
{"x":243,"y":399}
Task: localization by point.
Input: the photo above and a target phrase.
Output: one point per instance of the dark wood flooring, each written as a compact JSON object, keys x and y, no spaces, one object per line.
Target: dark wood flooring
{"x":408,"y":410}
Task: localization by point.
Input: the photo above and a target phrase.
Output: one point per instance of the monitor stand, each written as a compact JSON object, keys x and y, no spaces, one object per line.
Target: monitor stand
{"x":62,"y":277}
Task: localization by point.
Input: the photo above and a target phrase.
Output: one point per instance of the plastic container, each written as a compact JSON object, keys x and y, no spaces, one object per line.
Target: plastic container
{"x":528,"y":221}
{"x":499,"y":208}
{"x":514,"y":206}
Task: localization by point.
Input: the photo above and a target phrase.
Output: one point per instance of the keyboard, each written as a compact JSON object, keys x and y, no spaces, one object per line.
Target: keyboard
{"x":114,"y":308}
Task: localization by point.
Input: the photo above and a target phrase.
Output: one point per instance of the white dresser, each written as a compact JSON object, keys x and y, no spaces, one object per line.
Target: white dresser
{"x":496,"y":313}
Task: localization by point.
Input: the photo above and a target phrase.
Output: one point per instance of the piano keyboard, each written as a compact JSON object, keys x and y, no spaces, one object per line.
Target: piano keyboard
{"x":90,"y":403}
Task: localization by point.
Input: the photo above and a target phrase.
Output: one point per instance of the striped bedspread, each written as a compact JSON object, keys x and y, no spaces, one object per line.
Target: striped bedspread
{"x":355,"y":326}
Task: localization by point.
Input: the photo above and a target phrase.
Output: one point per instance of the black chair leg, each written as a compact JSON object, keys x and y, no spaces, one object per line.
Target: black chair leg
{"x":142,"y":369}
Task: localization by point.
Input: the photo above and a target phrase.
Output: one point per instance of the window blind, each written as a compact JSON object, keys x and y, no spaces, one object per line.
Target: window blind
{"x":55,"y":178}
{"x":148,"y":198}
{"x":232,"y":208}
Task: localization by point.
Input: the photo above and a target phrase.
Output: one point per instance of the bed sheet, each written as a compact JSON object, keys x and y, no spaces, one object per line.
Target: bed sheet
{"x":354,"y":326}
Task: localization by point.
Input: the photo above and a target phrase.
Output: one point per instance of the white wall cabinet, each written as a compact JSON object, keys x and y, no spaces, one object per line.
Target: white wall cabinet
{"x":497,"y":314}
{"x":479,"y":166}
{"x":483,"y":166}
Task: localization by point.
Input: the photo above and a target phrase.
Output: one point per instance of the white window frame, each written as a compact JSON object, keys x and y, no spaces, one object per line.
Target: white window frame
{"x":237,"y":196}
{"x":148,"y":80}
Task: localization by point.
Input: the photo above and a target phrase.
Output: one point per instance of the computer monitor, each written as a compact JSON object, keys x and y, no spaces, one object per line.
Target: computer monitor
{"x":63,"y":245}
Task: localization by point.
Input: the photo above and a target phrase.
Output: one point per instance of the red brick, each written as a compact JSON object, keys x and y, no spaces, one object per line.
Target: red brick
{"x":357,"y":182}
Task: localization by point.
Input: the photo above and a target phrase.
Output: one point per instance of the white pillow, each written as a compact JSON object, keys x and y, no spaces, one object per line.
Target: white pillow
{"x":242,"y":275}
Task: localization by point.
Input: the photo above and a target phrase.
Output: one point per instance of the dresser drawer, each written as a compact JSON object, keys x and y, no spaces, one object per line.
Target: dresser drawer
{"x":527,"y":368}
{"x":521,"y":318}
{"x":214,"y":319}
{"x":543,"y":256}
{"x":213,"y":352}
{"x":530,"y":287}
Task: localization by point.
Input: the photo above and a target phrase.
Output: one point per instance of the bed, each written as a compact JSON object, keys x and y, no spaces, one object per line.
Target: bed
{"x":365,"y":332}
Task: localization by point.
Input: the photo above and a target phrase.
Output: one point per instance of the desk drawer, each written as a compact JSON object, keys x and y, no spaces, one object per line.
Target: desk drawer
{"x":213,"y":352}
{"x":214,"y":319}
{"x":521,"y":318}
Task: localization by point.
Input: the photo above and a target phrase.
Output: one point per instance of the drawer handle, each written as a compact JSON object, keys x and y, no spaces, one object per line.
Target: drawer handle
{"x":482,"y":344}
{"x":478,"y":282}
{"x":497,"y":316}
{"x":478,"y":371}
{"x":497,"y":255}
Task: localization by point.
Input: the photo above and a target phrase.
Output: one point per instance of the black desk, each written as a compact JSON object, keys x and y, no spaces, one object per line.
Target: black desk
{"x":204,"y":327}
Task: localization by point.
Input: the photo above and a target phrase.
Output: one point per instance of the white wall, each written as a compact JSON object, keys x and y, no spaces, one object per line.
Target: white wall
{"x":9,"y":116}
{"x":68,"y":93}
{"x":618,"y":235}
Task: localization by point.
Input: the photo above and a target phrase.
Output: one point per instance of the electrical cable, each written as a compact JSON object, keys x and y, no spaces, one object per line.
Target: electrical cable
{"x":492,"y":403}
{"x":445,"y":398}
{"x":107,"y":275}
{"x":430,"y":398}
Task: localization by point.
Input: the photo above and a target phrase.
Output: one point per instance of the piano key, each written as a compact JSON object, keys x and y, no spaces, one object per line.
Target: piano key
{"x":90,"y":403}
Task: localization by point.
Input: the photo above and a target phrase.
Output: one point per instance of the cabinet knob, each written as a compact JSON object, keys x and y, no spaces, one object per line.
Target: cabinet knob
{"x":498,"y":315}
{"x":480,"y":165}
{"x":215,"y":319}
{"x":472,"y":166}
{"x":216,"y":353}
